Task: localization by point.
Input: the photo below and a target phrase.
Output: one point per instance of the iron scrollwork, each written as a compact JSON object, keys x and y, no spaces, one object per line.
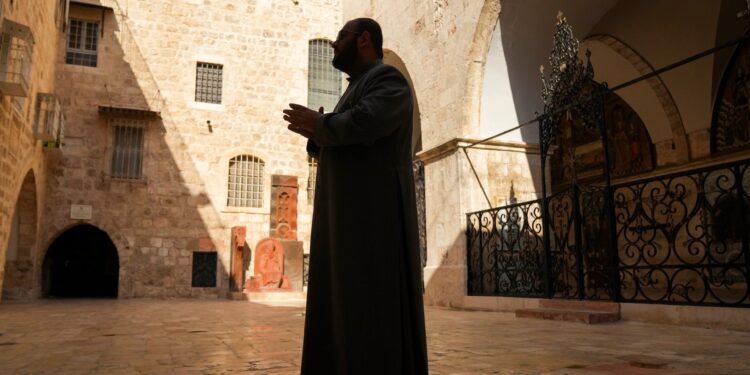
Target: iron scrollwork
{"x":680,"y":239}
{"x":563,"y":91}
{"x":505,"y":251}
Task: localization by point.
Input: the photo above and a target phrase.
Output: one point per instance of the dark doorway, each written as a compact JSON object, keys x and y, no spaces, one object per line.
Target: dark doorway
{"x":82,"y":262}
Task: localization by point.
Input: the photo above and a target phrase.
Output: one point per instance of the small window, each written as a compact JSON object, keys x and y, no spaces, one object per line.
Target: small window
{"x":312,"y":168}
{"x":127,"y":150}
{"x":82,"y":43}
{"x":208,"y":79}
{"x":204,"y":269}
{"x":323,"y":80}
{"x":245,"y":185}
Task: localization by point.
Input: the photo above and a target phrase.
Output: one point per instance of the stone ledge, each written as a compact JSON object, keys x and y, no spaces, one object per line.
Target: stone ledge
{"x":450,"y":147}
{"x":578,"y":316}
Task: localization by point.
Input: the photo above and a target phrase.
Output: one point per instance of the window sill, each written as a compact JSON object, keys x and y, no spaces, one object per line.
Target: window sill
{"x":142,"y":180}
{"x":79,"y":68}
{"x":207,"y":106}
{"x":246,"y":210}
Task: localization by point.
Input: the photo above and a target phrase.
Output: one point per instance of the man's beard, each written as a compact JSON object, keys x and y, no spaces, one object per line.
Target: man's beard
{"x":346,"y":58}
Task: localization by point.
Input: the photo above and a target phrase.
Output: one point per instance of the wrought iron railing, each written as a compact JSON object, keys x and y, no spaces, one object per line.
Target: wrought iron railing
{"x":679,"y":239}
{"x":674,"y":239}
{"x":682,"y":238}
{"x":506,"y":251}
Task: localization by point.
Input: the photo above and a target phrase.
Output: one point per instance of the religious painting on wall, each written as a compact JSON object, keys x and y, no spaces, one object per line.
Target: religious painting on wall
{"x":580,"y":155}
{"x":731,"y":120}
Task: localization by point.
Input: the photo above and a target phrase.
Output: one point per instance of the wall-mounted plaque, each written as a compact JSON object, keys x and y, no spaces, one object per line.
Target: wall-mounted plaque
{"x":80,"y":212}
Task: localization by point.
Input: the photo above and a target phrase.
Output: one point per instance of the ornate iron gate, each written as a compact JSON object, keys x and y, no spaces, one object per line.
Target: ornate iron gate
{"x":677,"y":239}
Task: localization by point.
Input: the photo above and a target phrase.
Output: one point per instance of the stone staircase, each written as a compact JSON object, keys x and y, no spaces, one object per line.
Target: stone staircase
{"x":589,"y":312}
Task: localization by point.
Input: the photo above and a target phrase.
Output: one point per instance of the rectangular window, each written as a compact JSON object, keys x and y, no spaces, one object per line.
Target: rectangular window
{"x":208,"y":79}
{"x":127,"y":150}
{"x":323,"y":80}
{"x":82,"y":43}
{"x":245,"y":185}
{"x":204,"y":269}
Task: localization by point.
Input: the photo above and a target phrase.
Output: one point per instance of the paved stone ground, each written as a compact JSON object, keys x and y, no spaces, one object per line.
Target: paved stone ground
{"x":225,"y":337}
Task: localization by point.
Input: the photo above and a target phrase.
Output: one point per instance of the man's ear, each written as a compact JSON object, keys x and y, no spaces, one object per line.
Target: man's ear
{"x":365,"y":39}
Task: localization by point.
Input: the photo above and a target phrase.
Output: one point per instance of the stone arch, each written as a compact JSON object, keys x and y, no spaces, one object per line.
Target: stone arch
{"x":21,"y":251}
{"x":391,"y":58}
{"x":123,"y":245}
{"x":82,"y":261}
{"x":480,"y":47}
{"x":678,"y":145}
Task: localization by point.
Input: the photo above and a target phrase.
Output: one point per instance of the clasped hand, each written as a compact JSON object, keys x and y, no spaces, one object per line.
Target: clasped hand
{"x":302,"y":119}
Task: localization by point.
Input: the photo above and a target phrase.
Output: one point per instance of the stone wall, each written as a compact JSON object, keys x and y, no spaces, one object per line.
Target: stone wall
{"x":147,"y":60}
{"x":22,"y":159}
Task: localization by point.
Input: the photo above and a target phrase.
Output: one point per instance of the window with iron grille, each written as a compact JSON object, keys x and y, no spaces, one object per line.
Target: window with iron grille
{"x":245,"y":185}
{"x":127,"y":150}
{"x":82,"y":42}
{"x":323,"y":80}
{"x":204,"y":269}
{"x":312,"y":168}
{"x":208,"y":79}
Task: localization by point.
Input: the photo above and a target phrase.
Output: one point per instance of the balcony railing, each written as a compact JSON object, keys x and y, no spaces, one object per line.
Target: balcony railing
{"x":679,"y":239}
{"x":49,"y":124}
{"x":16,"y":45}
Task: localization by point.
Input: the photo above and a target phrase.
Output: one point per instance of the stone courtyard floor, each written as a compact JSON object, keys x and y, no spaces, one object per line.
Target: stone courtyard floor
{"x":226,"y":337}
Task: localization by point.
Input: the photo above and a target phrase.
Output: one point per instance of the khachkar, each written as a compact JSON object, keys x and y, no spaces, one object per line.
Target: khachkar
{"x":278,"y":258}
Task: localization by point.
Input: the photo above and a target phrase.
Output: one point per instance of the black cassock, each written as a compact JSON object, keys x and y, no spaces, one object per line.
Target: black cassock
{"x":364,"y":300}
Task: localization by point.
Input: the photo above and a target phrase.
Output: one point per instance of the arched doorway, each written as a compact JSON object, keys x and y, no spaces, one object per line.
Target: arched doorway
{"x":579,"y":153}
{"x":82,"y":262}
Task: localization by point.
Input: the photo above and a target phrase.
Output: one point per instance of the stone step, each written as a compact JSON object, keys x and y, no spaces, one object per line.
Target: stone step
{"x":569,"y":304}
{"x":579,"y":316}
{"x":237,"y":296}
{"x":275,"y":296}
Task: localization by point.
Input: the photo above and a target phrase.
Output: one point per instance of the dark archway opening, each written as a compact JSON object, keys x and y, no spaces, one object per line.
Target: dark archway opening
{"x":82,"y":262}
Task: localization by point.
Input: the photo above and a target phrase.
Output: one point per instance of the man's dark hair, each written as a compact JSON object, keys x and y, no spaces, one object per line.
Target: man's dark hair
{"x":376,"y":34}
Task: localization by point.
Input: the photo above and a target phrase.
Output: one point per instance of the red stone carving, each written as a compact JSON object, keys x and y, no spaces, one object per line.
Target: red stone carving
{"x":284,"y":207}
{"x":269,"y":267}
{"x":238,"y":258}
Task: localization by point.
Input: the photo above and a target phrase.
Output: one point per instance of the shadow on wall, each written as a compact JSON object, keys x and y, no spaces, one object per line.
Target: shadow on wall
{"x":21,"y":251}
{"x":445,"y":278}
{"x":131,"y":166}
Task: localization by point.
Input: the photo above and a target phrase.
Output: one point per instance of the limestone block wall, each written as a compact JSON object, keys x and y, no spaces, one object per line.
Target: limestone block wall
{"x":148,"y":53}
{"x":22,"y":159}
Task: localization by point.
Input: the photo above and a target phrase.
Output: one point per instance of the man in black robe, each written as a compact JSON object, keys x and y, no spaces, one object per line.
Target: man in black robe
{"x":364,"y":301}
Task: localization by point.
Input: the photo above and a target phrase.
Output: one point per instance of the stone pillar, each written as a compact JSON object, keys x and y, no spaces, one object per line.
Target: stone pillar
{"x":279,"y":258}
{"x":237,"y":274}
{"x":284,"y":226}
{"x":284,"y":207}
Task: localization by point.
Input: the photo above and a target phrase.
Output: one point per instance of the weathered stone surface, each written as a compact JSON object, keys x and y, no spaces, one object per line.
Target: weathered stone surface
{"x":238,"y":258}
{"x":269,"y":267}
{"x":284,"y":191}
{"x":147,"y":56}
{"x":293,"y":262}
